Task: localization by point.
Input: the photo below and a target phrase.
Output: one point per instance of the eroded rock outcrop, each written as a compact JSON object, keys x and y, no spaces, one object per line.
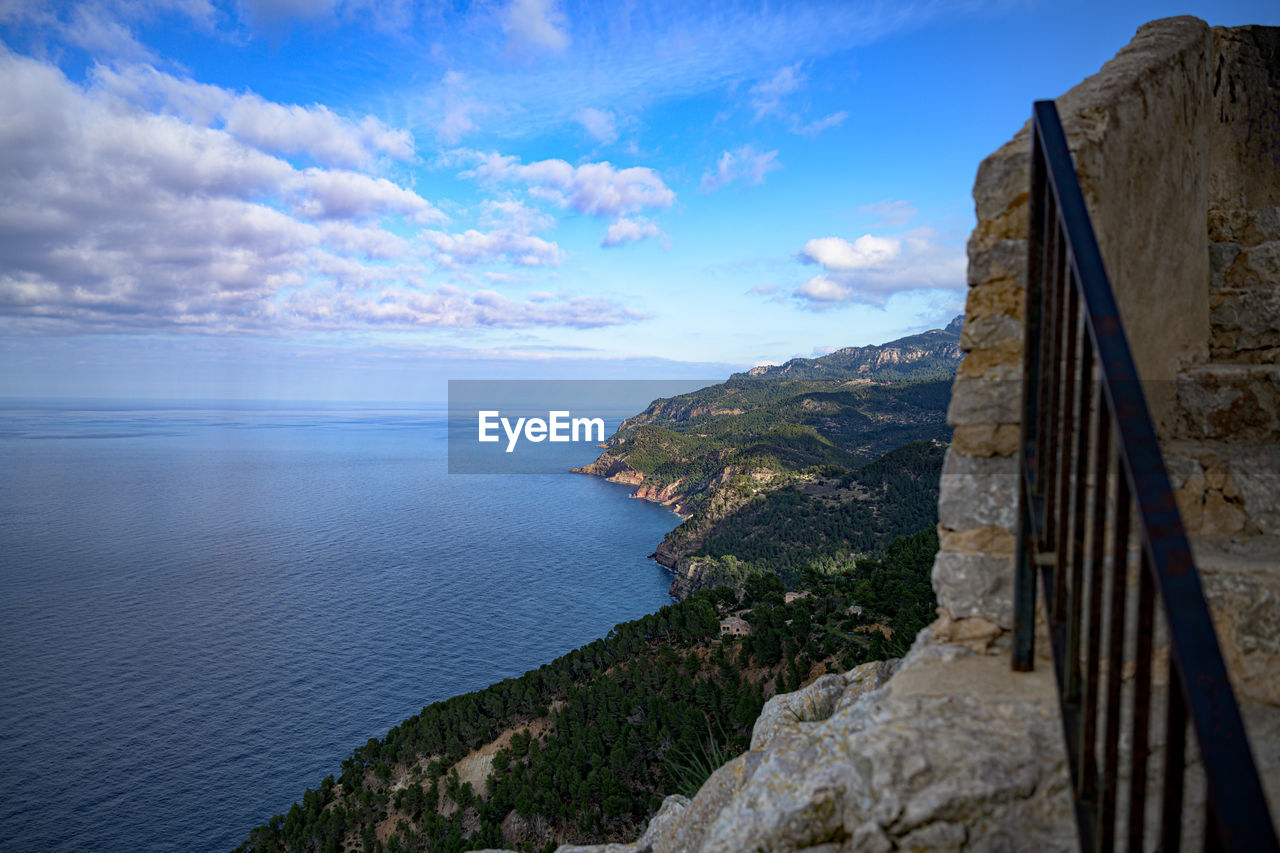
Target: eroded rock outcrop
{"x":947,"y":751}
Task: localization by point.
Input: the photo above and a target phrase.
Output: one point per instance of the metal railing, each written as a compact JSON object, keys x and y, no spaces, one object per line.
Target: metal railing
{"x":1093,"y":488}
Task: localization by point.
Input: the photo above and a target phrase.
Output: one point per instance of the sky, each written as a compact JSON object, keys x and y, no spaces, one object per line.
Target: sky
{"x":358,"y":200}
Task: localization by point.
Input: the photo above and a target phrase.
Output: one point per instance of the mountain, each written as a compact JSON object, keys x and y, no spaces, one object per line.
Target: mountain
{"x":823,"y":437}
{"x":927,"y":356}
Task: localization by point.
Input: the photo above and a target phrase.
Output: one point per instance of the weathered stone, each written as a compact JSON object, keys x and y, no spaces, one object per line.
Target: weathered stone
{"x":997,"y":260}
{"x":688,"y":828}
{"x":989,"y":297}
{"x":978,"y":492}
{"x":1000,"y":189}
{"x":980,"y":540}
{"x":1221,"y":257}
{"x":1258,"y":478}
{"x":1246,"y":104}
{"x":1221,"y":516}
{"x":984,"y":401}
{"x":940,"y":836}
{"x":992,"y":331}
{"x":670,"y":814}
{"x":1264,"y":225}
{"x":1140,"y":133}
{"x":1186,"y":476}
{"x":1236,"y":402}
{"x":1245,"y":321}
{"x":864,"y":678}
{"x":976,"y":634}
{"x":1246,"y":613}
{"x":1255,"y":266}
{"x":786,"y":713}
{"x":992,"y":365}
{"x":971,"y":586}
{"x":909,"y":757}
{"x":986,"y":439}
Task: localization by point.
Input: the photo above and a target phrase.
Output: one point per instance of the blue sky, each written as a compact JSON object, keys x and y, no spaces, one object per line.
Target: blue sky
{"x":324,"y":199}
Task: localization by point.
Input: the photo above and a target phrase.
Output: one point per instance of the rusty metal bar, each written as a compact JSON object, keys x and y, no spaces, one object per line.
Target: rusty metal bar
{"x":1175,"y":726}
{"x":1073,"y":327}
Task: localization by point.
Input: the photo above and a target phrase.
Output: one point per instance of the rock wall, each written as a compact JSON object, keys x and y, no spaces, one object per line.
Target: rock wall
{"x":1141,"y":132}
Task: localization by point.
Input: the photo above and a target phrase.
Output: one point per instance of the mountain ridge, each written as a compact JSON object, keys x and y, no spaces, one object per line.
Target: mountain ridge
{"x":803,"y":425}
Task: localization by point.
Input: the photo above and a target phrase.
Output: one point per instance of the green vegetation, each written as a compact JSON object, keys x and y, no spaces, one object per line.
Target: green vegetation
{"x":823,"y":523}
{"x":819,"y":475}
{"x":916,"y":359}
{"x":590,"y":743}
{"x":795,"y":466}
{"x":845,"y":427}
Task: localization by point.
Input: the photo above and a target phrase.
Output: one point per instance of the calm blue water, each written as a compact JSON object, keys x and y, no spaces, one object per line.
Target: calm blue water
{"x":204,"y":610}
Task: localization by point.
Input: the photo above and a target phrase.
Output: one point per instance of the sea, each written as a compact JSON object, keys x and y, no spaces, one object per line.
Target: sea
{"x":206,"y":606}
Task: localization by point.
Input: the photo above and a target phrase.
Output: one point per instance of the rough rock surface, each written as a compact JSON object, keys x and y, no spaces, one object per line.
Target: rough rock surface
{"x":955,"y":751}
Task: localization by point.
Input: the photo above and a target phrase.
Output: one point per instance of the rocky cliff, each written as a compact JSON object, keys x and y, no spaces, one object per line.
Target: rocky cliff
{"x":946,"y":750}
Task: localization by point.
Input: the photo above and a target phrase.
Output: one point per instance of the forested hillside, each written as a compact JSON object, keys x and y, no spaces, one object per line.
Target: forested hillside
{"x":917,"y":358}
{"x":802,"y":465}
{"x":819,"y":475}
{"x":584,"y":748}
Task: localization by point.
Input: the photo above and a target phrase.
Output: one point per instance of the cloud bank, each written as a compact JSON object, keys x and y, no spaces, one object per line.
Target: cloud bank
{"x":871,"y":269}
{"x":140,"y":202}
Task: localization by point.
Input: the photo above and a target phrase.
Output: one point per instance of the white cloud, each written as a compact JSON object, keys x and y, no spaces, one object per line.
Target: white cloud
{"x":457,"y":107}
{"x":93,"y":29}
{"x":535,"y":25}
{"x":113,"y":218}
{"x":513,"y":215}
{"x":448,"y":306}
{"x":767,"y":96}
{"x":314,"y":130}
{"x":601,"y":125}
{"x":813,"y":128}
{"x":840,"y":255}
{"x":871,"y":269}
{"x":330,"y":194}
{"x":743,"y":164}
{"x":596,"y":189}
{"x":629,"y":231}
{"x":289,"y":129}
{"x":510,"y":238}
{"x":471,"y":247}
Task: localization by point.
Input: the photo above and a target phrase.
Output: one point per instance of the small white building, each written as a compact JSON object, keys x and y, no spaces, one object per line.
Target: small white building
{"x":734,"y":626}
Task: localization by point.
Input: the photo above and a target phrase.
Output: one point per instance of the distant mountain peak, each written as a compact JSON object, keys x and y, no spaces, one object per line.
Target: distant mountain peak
{"x":920,"y":356}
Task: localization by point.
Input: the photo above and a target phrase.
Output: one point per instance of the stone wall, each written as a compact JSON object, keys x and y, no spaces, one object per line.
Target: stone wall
{"x":1141,"y":132}
{"x":1244,"y":210}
